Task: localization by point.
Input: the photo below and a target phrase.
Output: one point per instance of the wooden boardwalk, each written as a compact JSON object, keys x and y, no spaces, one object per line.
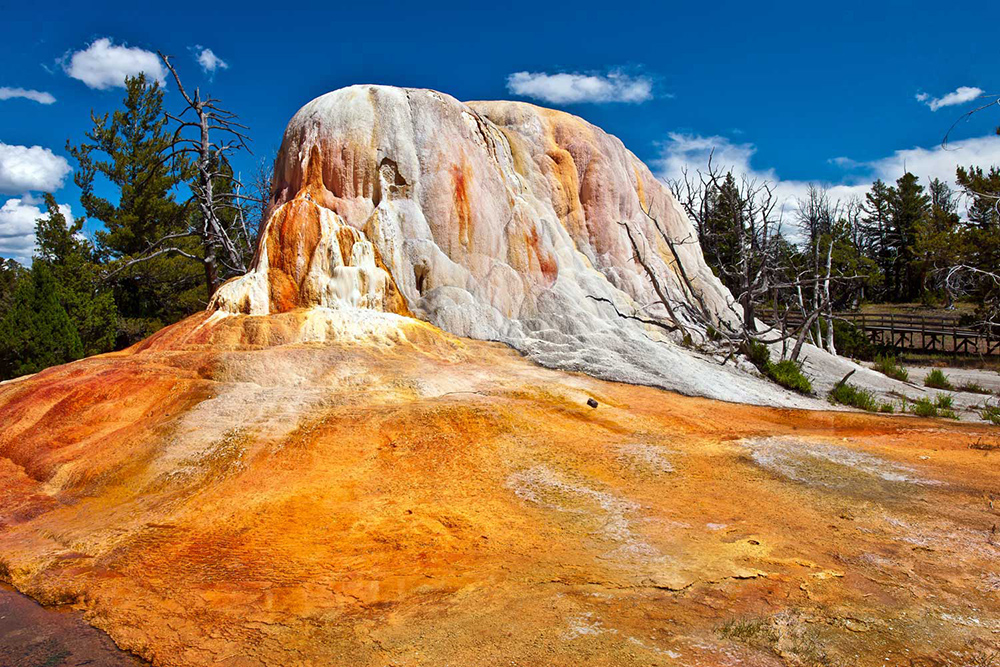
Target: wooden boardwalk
{"x":916,"y":333}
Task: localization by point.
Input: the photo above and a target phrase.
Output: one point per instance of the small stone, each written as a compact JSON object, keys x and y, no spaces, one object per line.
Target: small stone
{"x":591,"y":402}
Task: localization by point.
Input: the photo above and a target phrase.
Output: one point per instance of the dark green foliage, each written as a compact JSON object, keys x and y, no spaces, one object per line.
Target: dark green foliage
{"x":936,"y":379}
{"x":909,"y":207}
{"x":789,"y":375}
{"x":974,"y":388}
{"x":758,"y":355}
{"x":786,"y":373}
{"x":924,"y":407}
{"x":129,"y":150}
{"x":940,"y":407}
{"x":877,"y":221}
{"x":990,"y":413}
{"x":852,"y":341}
{"x":71,"y":260}
{"x":35,"y":331}
{"x":983,"y":235}
{"x":10,"y":273}
{"x":853,"y":395}
{"x":890,"y":366}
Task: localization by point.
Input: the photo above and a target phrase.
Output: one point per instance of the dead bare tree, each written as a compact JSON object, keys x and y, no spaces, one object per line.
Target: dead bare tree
{"x":218,"y":194}
{"x":258,"y":193}
{"x":737,"y":222}
{"x":817,"y":215}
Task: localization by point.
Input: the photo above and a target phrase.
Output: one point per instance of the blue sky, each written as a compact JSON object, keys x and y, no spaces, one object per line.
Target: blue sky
{"x":795,"y":92}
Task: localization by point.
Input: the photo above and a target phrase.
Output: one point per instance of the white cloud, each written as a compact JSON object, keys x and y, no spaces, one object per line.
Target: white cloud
{"x":17,"y":226}
{"x":104,"y":65}
{"x":940,"y":161}
{"x":208,"y":60}
{"x":682,"y":151}
{"x":34,"y":95}
{"x":960,"y":95}
{"x":564,"y":88}
{"x":24,"y":168}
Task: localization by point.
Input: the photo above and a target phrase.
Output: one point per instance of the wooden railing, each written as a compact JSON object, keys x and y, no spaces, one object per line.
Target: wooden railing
{"x":922,"y":333}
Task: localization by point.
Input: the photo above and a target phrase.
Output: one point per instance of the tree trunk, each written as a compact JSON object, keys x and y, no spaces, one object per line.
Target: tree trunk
{"x":802,"y":335}
{"x":830,"y":347}
{"x":211,"y":271}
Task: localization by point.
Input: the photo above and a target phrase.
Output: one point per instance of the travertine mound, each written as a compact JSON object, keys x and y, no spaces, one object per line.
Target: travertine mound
{"x":224,"y":495}
{"x":493,"y":220}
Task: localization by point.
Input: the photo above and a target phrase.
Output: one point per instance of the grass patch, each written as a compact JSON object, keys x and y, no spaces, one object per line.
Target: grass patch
{"x":940,"y":407}
{"x":851,"y":394}
{"x":789,"y":375}
{"x":890,"y":366}
{"x":990,"y":413}
{"x":786,"y":373}
{"x":936,"y":379}
{"x":974,"y":388}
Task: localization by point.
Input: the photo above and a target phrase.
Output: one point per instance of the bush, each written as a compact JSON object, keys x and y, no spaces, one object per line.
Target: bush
{"x":852,"y":341}
{"x":923,"y":407}
{"x":937,"y":380}
{"x":890,"y":366}
{"x":974,"y":388}
{"x":36,"y":332}
{"x":786,"y":373}
{"x":851,"y":394}
{"x":941,"y":407}
{"x":789,"y":375}
{"x":758,"y":355}
{"x":990,"y":413}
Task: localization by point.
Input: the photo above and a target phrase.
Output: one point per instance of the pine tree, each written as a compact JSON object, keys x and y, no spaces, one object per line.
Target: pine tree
{"x":939,"y":241}
{"x":909,"y":207}
{"x":35,"y":331}
{"x":71,"y":260}
{"x":722,"y":230}
{"x":10,"y":273}
{"x":130,"y":149}
{"x":983,"y":245}
{"x":877,"y":210}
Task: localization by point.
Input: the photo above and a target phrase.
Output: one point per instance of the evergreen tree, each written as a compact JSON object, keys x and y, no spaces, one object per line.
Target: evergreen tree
{"x":983,"y":233}
{"x":877,"y":210}
{"x":35,"y":331}
{"x":939,"y":241}
{"x":130,"y":149}
{"x":909,"y":207}
{"x":70,"y":259}
{"x":10,"y":273}
{"x":723,"y":230}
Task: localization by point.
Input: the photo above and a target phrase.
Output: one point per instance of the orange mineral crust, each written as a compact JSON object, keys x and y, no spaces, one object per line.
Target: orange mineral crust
{"x":328,"y":488}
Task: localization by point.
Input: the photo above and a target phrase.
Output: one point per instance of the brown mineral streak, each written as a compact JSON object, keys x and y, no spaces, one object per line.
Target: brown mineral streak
{"x":292,"y":239}
{"x":463,"y":210}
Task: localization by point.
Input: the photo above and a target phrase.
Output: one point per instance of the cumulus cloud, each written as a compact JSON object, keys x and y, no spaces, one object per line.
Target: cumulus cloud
{"x":34,"y":95}
{"x":960,"y":95}
{"x":104,"y":65}
{"x":17,"y":226}
{"x":24,"y":168}
{"x":208,"y":60}
{"x":691,"y":152}
{"x":565,"y":88}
